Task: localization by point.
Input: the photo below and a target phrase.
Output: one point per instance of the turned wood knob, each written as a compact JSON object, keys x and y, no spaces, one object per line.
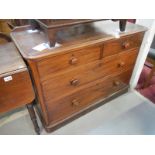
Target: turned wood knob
{"x":121,"y":64}
{"x":116,"y":83}
{"x":75,"y":103}
{"x":74,"y":82}
{"x":73,"y":61}
{"x":126,"y":44}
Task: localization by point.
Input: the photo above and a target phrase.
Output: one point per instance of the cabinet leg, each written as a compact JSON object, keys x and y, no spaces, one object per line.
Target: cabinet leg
{"x":51,"y":34}
{"x":122,"y":24}
{"x":33,"y":117}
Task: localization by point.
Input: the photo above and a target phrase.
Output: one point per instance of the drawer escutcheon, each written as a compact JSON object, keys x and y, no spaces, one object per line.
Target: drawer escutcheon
{"x":75,"y":103}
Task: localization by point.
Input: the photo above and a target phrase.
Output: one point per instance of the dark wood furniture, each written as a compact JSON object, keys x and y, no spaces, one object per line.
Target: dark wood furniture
{"x":51,"y":26}
{"x":151,"y":60}
{"x":15,"y":83}
{"x":86,"y":69}
{"x":4,"y":38}
{"x":4,"y":26}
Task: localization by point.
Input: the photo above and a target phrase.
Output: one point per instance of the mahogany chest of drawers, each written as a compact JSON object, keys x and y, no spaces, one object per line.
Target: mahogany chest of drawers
{"x":82,"y":72}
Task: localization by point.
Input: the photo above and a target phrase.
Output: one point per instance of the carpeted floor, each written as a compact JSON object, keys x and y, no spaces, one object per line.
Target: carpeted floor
{"x":148,"y":92}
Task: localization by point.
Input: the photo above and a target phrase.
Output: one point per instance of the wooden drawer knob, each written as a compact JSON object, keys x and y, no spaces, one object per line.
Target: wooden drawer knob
{"x":121,"y":64}
{"x":73,"y":61}
{"x":116,"y":83}
{"x":75,"y":102}
{"x":126,"y":44}
{"x":74,"y":82}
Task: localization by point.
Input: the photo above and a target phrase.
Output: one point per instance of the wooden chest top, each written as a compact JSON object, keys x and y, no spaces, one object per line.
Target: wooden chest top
{"x":27,"y":40}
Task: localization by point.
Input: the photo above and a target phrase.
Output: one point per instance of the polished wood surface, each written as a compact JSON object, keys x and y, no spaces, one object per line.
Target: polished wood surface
{"x":11,"y":61}
{"x":124,"y":43}
{"x":100,"y":32}
{"x":18,"y":90}
{"x":68,"y":61}
{"x":52,"y":26}
{"x":72,"y":80}
{"x":52,"y":127}
{"x":15,"y":84}
{"x":84,"y":69}
{"x":55,"y":23}
{"x":70,"y":104}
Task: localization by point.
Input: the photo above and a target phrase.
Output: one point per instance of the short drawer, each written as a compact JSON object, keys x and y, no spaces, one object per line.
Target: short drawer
{"x":70,"y":60}
{"x":61,"y":109}
{"x":71,"y":81}
{"x":122,"y":44}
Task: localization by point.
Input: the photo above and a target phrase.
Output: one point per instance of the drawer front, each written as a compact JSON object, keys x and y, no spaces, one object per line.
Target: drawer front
{"x":16,"y":92}
{"x":67,"y":61}
{"x":71,"y":81}
{"x":122,"y":44}
{"x":60,"y":109}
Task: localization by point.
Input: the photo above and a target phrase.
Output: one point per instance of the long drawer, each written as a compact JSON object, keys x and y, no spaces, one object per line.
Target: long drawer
{"x":65,"y":107}
{"x":71,"y":81}
{"x":70,"y":60}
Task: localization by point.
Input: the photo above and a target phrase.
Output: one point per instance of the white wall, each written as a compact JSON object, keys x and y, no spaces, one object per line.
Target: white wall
{"x":150,"y":24}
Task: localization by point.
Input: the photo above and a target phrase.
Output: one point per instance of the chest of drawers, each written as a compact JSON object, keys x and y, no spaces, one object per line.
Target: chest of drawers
{"x":84,"y":72}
